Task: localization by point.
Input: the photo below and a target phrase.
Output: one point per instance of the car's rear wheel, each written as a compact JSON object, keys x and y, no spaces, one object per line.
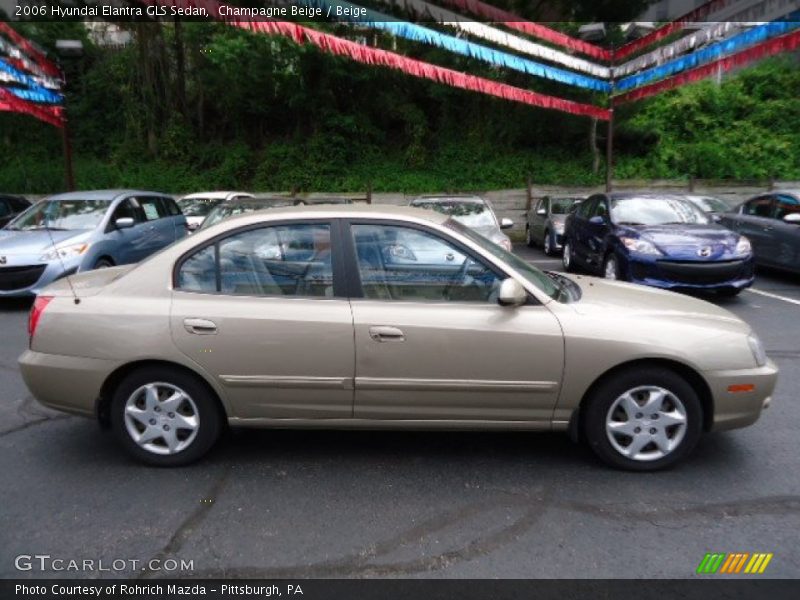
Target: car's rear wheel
{"x":643,"y":420}
{"x":165,"y":417}
{"x":529,"y":237}
{"x":548,"y":244}
{"x":567,"y":258}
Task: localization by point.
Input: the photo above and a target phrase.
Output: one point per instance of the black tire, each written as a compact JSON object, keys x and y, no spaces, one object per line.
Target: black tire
{"x":568,"y":258}
{"x":208,"y":411}
{"x":603,"y":397}
{"x":528,"y":237}
{"x":103,"y":263}
{"x":729,"y":292}
{"x":548,"y":244}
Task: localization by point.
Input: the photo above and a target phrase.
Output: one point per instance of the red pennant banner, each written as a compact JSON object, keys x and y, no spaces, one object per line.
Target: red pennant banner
{"x":54,"y":115}
{"x":40,"y":59}
{"x":785,"y":43}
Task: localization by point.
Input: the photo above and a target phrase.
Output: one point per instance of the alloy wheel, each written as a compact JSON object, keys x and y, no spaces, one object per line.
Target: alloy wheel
{"x":548,"y":244}
{"x":161,"y":418}
{"x":610,"y":270}
{"x":566,"y":258}
{"x":646,"y":423}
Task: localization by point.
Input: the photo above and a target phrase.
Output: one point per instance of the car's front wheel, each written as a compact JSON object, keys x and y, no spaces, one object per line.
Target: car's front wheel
{"x":548,"y":244}
{"x":611,"y":267}
{"x":567,"y":258}
{"x":644,"y":419}
{"x":528,"y":237}
{"x":165,"y":417}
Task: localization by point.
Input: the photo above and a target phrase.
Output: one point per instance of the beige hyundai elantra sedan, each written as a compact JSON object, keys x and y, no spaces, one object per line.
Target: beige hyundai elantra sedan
{"x":367,"y":317}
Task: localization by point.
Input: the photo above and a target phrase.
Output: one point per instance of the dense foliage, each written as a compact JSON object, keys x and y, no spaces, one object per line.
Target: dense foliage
{"x":199,"y":105}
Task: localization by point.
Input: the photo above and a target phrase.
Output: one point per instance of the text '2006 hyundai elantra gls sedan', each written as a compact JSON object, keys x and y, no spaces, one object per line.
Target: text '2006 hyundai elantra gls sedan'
{"x":362,"y":317}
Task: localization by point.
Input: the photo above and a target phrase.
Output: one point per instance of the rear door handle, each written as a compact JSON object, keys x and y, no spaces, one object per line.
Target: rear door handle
{"x":200,"y":326}
{"x":383,"y":333}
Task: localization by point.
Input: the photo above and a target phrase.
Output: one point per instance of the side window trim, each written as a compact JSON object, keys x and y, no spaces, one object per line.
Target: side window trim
{"x":355,"y":288}
{"x":336,"y":258}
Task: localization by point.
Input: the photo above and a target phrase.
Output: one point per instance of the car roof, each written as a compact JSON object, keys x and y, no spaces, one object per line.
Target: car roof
{"x":218,"y":195}
{"x":103,"y":194}
{"x":257,"y":200}
{"x":467,"y":199}
{"x":334,"y":211}
{"x":653,"y":195}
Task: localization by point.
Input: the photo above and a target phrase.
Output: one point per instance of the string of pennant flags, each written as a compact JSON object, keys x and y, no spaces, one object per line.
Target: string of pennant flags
{"x":715,"y":37}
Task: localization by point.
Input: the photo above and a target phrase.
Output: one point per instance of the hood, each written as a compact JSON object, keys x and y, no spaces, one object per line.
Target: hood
{"x":87,"y":283}
{"x":491,"y":233}
{"x":685,"y":240}
{"x":37,"y":241}
{"x":599,"y":296}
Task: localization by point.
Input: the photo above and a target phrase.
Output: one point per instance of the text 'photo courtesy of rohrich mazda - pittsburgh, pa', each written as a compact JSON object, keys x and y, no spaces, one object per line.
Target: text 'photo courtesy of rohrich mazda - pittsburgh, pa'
{"x":448,"y":298}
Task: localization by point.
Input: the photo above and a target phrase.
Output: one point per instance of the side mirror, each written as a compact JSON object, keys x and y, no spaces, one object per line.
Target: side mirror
{"x":597,"y":220}
{"x":792,"y":219}
{"x":511,"y":293}
{"x":541,"y":212}
{"x":506,"y":223}
{"x":124,"y":223}
{"x":717,"y":218}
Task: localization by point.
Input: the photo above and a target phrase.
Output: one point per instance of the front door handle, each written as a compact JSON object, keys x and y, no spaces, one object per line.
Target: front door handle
{"x":383,"y":333}
{"x":200,"y":326}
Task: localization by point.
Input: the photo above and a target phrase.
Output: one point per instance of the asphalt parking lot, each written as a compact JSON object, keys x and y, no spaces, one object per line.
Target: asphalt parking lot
{"x":353,"y":504}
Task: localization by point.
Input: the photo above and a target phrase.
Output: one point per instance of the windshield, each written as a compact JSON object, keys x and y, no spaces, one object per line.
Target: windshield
{"x":529,"y":272}
{"x":561,"y":206}
{"x":655,"y":211}
{"x":223,"y":211}
{"x":198,"y":207}
{"x":709,"y":204}
{"x":471,"y":214}
{"x":62,"y":214}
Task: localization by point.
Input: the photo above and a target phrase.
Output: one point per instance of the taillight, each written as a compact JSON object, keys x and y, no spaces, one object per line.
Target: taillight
{"x":37,"y":309}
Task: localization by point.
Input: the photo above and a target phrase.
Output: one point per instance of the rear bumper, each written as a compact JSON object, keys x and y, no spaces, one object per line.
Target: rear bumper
{"x":690,"y":275}
{"x":66,"y":383}
{"x":739,"y":409}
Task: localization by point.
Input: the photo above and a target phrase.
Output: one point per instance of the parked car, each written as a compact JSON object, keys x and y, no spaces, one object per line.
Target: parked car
{"x":10,"y":207}
{"x":321,"y":317}
{"x":239,"y":206}
{"x":196,"y":207}
{"x":545,"y":222}
{"x":81,"y":231}
{"x":771,"y":222}
{"x":659,"y":240}
{"x":313,"y":201}
{"x":714,"y":207}
{"x":473,"y":211}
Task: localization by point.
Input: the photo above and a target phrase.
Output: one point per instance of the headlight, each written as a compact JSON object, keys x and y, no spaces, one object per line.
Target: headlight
{"x":558,"y":228}
{"x":64,"y":252}
{"x":758,"y":349}
{"x":640,"y":246}
{"x":743,"y":247}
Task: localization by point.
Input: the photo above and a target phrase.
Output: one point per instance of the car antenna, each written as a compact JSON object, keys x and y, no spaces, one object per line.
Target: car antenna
{"x":61,"y":260}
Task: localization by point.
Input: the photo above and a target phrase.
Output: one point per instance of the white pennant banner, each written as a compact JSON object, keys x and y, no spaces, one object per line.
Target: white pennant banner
{"x":501,"y":38}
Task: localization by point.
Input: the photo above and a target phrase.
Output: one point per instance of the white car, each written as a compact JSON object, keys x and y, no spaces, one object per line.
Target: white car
{"x":196,"y":207}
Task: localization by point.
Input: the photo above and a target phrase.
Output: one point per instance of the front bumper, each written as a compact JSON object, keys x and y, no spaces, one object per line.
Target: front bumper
{"x":26,"y":276}
{"x":690,"y":275}
{"x":67,"y":383}
{"x":734,"y":409}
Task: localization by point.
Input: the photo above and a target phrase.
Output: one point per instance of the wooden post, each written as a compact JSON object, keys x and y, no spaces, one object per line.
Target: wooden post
{"x":692,"y":183}
{"x":69,"y":174}
{"x":610,"y":149}
{"x":369,"y":192}
{"x":771,"y":183}
{"x":528,"y":194}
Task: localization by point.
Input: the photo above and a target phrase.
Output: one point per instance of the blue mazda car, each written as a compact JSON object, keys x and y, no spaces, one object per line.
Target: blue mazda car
{"x":81,"y":231}
{"x":659,"y":240}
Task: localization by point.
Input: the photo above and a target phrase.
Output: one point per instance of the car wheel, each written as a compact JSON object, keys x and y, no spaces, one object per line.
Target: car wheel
{"x":643,"y":420}
{"x":729,"y":292}
{"x":566,"y":258}
{"x":165,"y":417}
{"x":103,"y":263}
{"x":548,"y":244}
{"x":528,"y":237}
{"x":611,"y":267}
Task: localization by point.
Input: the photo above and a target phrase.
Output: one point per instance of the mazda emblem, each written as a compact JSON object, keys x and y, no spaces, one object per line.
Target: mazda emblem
{"x":704,"y":251}
{"x":3,"y":260}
